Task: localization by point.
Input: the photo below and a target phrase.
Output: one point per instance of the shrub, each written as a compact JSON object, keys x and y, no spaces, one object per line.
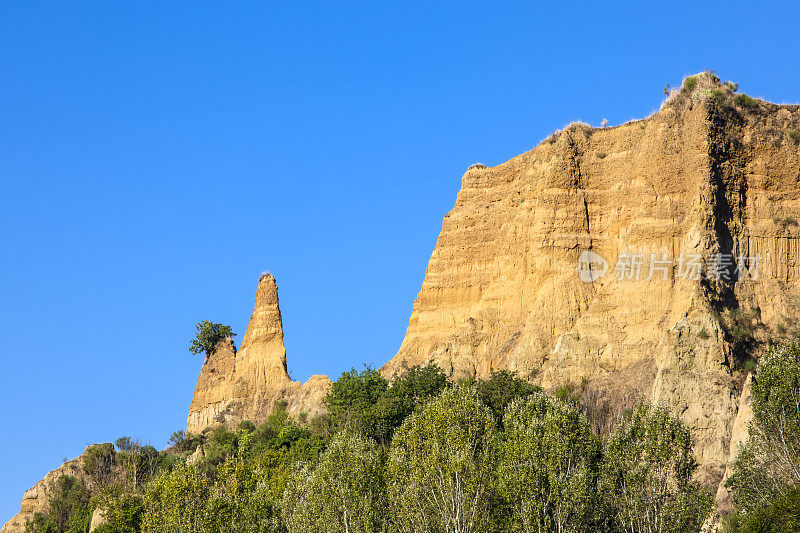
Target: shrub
{"x":221,"y":444}
{"x":98,"y":463}
{"x":176,"y":501}
{"x":242,"y":499}
{"x":124,"y":444}
{"x":794,"y":135}
{"x":123,"y":512}
{"x":718,"y":96}
{"x":785,"y":223}
{"x":183,"y":442}
{"x":690,"y":83}
{"x":69,"y":508}
{"x":731,"y":86}
{"x":745,"y":101}
{"x":246,"y":425}
{"x":566,"y":393}
{"x":553,"y":137}
{"x":779,"y":515}
{"x":502,"y":388}
{"x":703,"y":333}
{"x":139,"y":461}
{"x":601,"y":155}
{"x":208,"y":335}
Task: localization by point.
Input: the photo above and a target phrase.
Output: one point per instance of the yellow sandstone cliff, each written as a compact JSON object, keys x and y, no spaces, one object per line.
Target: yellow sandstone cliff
{"x":711,"y":179}
{"x":245,"y":384}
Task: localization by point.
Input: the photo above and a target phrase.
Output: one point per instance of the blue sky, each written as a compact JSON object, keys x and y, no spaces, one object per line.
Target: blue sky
{"x":156,"y":157}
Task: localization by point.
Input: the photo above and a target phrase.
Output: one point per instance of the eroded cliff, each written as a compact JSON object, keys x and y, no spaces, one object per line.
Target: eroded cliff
{"x":707,"y":183}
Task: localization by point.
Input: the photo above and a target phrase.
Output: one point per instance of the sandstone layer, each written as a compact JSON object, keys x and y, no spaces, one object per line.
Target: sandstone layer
{"x":712,"y":175}
{"x":244,"y":384}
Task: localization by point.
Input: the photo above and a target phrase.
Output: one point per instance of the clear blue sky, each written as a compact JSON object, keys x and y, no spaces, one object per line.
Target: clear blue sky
{"x":155,"y":158}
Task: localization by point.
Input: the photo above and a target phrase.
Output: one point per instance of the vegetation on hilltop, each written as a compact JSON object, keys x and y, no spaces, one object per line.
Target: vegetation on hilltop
{"x":208,"y":335}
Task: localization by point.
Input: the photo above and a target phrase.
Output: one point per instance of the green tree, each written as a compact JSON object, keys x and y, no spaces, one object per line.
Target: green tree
{"x":176,"y":502}
{"x":404,"y":395}
{"x":547,"y":465}
{"x":779,"y":515}
{"x":241,"y":500}
{"x":367,"y":404}
{"x":352,"y":402}
{"x":647,"y":474}
{"x":418,"y":386}
{"x":184,"y":442}
{"x":441,"y":465}
{"x":769,"y":463}
{"x":208,"y":335}
{"x":139,"y":461}
{"x":98,"y":463}
{"x":122,"y":511}
{"x":500,"y":389}
{"x":220,"y":445}
{"x":345,"y":492}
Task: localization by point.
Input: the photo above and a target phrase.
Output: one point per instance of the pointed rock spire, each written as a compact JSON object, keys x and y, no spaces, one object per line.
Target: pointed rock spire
{"x":245,"y":384}
{"x":262,"y":350}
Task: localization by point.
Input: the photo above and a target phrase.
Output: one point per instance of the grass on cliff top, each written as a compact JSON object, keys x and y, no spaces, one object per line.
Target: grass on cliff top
{"x":707,"y":87}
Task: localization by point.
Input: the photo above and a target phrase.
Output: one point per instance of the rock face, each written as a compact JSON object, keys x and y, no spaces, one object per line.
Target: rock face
{"x":739,"y":434}
{"x":98,"y":519}
{"x":37,"y":498}
{"x":708,"y":180}
{"x":245,"y":384}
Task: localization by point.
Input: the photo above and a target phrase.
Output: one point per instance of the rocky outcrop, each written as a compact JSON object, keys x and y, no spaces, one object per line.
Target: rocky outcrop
{"x":37,"y":498}
{"x":98,"y":519}
{"x":739,"y":435}
{"x":245,"y":384}
{"x":575,"y":262}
